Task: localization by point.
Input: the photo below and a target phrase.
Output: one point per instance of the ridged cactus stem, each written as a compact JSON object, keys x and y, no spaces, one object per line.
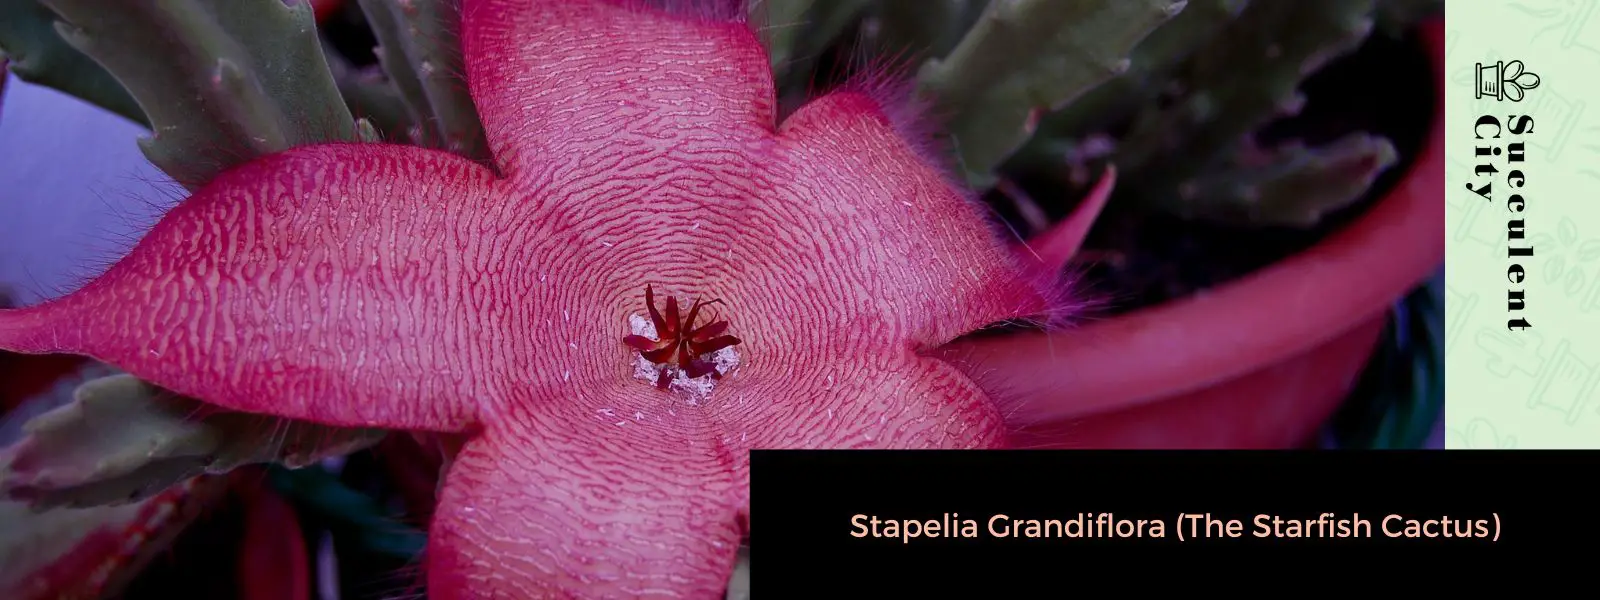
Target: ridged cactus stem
{"x":1229,"y":90}
{"x":820,"y":24}
{"x":1026,"y":57}
{"x":931,"y":28}
{"x":367,"y":132}
{"x":371,"y":96}
{"x":417,"y":48}
{"x":122,"y":440}
{"x":782,"y":22}
{"x":1151,"y":67}
{"x":37,"y":54}
{"x":1292,"y":185}
{"x":222,"y":81}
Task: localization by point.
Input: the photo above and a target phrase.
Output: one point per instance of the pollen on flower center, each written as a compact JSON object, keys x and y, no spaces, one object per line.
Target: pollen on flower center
{"x":679,"y":355}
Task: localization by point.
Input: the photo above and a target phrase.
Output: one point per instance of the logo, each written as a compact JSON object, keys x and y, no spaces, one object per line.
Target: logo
{"x":1505,"y":80}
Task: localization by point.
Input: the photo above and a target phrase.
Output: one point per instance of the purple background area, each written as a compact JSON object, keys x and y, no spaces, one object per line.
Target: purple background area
{"x":75,"y":191}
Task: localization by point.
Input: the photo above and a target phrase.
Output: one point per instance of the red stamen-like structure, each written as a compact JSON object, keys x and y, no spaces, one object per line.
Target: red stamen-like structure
{"x":681,"y":340}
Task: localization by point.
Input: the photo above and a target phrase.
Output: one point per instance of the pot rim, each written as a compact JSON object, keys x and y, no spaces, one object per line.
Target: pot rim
{"x":1347,"y":279}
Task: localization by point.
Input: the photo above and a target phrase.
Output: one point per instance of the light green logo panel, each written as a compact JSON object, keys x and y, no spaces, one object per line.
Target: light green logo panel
{"x":1522,"y":211}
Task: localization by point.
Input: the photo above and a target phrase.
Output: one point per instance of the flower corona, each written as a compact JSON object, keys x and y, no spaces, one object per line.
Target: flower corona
{"x":681,"y":340}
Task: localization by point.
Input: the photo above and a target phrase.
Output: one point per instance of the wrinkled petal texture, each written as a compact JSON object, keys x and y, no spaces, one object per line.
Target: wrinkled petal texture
{"x":406,"y":288}
{"x":573,"y":501}
{"x":320,"y":284}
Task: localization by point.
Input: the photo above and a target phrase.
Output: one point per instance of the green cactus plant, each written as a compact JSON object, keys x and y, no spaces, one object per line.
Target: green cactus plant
{"x":1183,"y":122}
{"x":1227,"y":93}
{"x":783,"y":19}
{"x":237,"y":79}
{"x":798,"y":32}
{"x":415,"y":49}
{"x":1067,"y":132}
{"x":122,"y":440}
{"x":1024,"y":58}
{"x":929,"y":28}
{"x":1290,"y":185}
{"x":371,"y":96}
{"x":35,"y":51}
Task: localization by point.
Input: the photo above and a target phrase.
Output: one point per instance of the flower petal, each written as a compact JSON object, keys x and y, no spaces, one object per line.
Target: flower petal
{"x":606,"y":84}
{"x":898,"y":403}
{"x":330,"y":284}
{"x":886,"y":247}
{"x":632,"y":501}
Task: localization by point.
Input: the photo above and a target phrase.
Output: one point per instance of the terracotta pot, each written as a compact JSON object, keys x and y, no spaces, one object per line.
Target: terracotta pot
{"x":1260,"y":362}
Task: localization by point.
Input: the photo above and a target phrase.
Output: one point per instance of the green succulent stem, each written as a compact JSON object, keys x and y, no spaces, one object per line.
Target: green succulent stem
{"x":367,"y":132}
{"x":222,"y":81}
{"x":815,"y":27}
{"x":122,"y":440}
{"x":37,"y":54}
{"x":370,"y":96}
{"x":417,"y":49}
{"x":1023,"y":58}
{"x":1289,"y":186}
{"x":930,"y":28}
{"x":782,"y":22}
{"x":1150,"y":69}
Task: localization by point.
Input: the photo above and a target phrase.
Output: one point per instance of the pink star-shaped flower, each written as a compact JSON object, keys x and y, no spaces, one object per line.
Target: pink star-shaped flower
{"x":393,"y":286}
